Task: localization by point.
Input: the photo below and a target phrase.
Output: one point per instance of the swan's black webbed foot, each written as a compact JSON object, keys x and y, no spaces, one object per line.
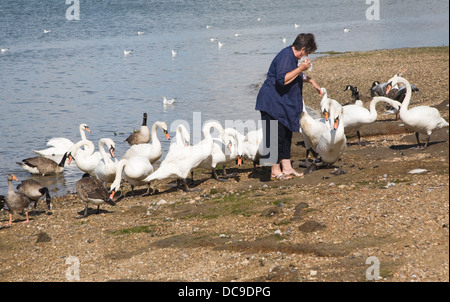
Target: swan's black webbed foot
{"x":312,"y":167}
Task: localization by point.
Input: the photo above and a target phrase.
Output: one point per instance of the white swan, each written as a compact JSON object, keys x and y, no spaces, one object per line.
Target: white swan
{"x":182,"y":138}
{"x":421,"y":119}
{"x":152,"y":151}
{"x":180,"y":161}
{"x":135,"y":169}
{"x":61,"y":145}
{"x":333,"y":143}
{"x":356,"y":116}
{"x":224,"y":151}
{"x":252,"y":145}
{"x":87,"y":159}
{"x":106,"y":167}
{"x":311,"y":128}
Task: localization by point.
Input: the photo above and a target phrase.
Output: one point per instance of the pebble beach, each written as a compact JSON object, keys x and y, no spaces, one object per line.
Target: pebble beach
{"x":392,"y":205}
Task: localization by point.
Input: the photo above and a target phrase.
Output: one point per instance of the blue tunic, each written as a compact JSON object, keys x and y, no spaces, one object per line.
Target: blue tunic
{"x":282,"y":102}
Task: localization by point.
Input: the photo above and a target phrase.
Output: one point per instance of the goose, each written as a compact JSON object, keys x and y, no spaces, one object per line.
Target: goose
{"x":421,"y":119}
{"x":15,"y":201}
{"x":34,"y":190}
{"x":86,"y":160}
{"x":61,"y":145}
{"x":356,"y":116}
{"x":91,"y":190}
{"x":219,"y":154}
{"x":153,"y":150}
{"x":356,"y":98}
{"x":105,"y":170}
{"x":397,"y":94}
{"x":135,"y":169}
{"x":42,"y":165}
{"x":180,"y":161}
{"x":142,"y":136}
{"x":333,"y":143}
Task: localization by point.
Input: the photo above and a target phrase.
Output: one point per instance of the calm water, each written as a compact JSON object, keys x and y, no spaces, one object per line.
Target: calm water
{"x":77,"y":73}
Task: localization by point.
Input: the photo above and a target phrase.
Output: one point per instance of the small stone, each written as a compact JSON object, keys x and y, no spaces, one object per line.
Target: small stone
{"x":43,"y":237}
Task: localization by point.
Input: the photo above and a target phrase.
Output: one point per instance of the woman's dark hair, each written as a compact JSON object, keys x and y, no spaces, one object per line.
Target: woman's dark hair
{"x":307,"y":41}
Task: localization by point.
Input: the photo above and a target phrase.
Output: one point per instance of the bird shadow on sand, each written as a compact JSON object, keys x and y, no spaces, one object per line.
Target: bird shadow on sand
{"x":415,"y":147}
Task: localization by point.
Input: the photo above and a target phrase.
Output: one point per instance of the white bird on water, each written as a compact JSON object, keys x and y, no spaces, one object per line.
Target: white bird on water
{"x":237,"y":34}
{"x":220,"y":44}
{"x":296,"y":25}
{"x":3,"y":50}
{"x":168,"y":102}
{"x":140,"y":33}
{"x":46,"y":31}
{"x":283,"y":40}
{"x":127,"y":52}
{"x":346,"y":30}
{"x":174,"y":53}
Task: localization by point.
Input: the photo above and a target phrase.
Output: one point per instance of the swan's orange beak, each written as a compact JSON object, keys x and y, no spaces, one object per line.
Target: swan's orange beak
{"x":389,"y":87}
{"x":112,"y":194}
{"x":336,"y":123}
{"x":70,"y":158}
{"x":326,"y":115}
{"x":87,"y":129}
{"x":111,"y":151}
{"x":239,"y":160}
{"x":167,"y":134}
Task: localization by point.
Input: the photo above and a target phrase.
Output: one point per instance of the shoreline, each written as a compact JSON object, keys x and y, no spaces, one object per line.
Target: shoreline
{"x":317,"y":228}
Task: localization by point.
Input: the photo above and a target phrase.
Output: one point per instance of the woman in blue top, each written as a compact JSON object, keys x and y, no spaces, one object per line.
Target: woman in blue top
{"x":280,"y":99}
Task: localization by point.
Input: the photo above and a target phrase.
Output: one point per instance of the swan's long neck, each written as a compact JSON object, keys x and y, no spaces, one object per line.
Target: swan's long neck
{"x":407,"y":99}
{"x":119,"y":169}
{"x":101,"y":148}
{"x":207,"y":130}
{"x":82,"y":133}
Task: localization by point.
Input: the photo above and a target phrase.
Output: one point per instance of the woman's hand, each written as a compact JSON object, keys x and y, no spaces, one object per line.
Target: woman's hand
{"x":305,"y":65}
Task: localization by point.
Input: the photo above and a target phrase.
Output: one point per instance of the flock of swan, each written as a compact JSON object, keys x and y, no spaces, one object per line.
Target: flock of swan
{"x":324,"y":137}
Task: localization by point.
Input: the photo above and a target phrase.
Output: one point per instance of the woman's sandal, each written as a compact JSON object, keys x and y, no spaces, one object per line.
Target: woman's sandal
{"x":281,"y":176}
{"x":295,"y":173}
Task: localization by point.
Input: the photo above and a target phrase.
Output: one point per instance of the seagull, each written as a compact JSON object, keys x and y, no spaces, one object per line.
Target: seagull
{"x":213,"y":39}
{"x":220,"y":44}
{"x":346,"y":30}
{"x":208,"y":26}
{"x":46,"y":31}
{"x":296,"y":25}
{"x":127,"y":52}
{"x":140,"y":32}
{"x":237,"y":35}
{"x":283,"y":40}
{"x":174,"y":53}
{"x":168,"y":102}
{"x":259,"y":19}
{"x":3,"y":50}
